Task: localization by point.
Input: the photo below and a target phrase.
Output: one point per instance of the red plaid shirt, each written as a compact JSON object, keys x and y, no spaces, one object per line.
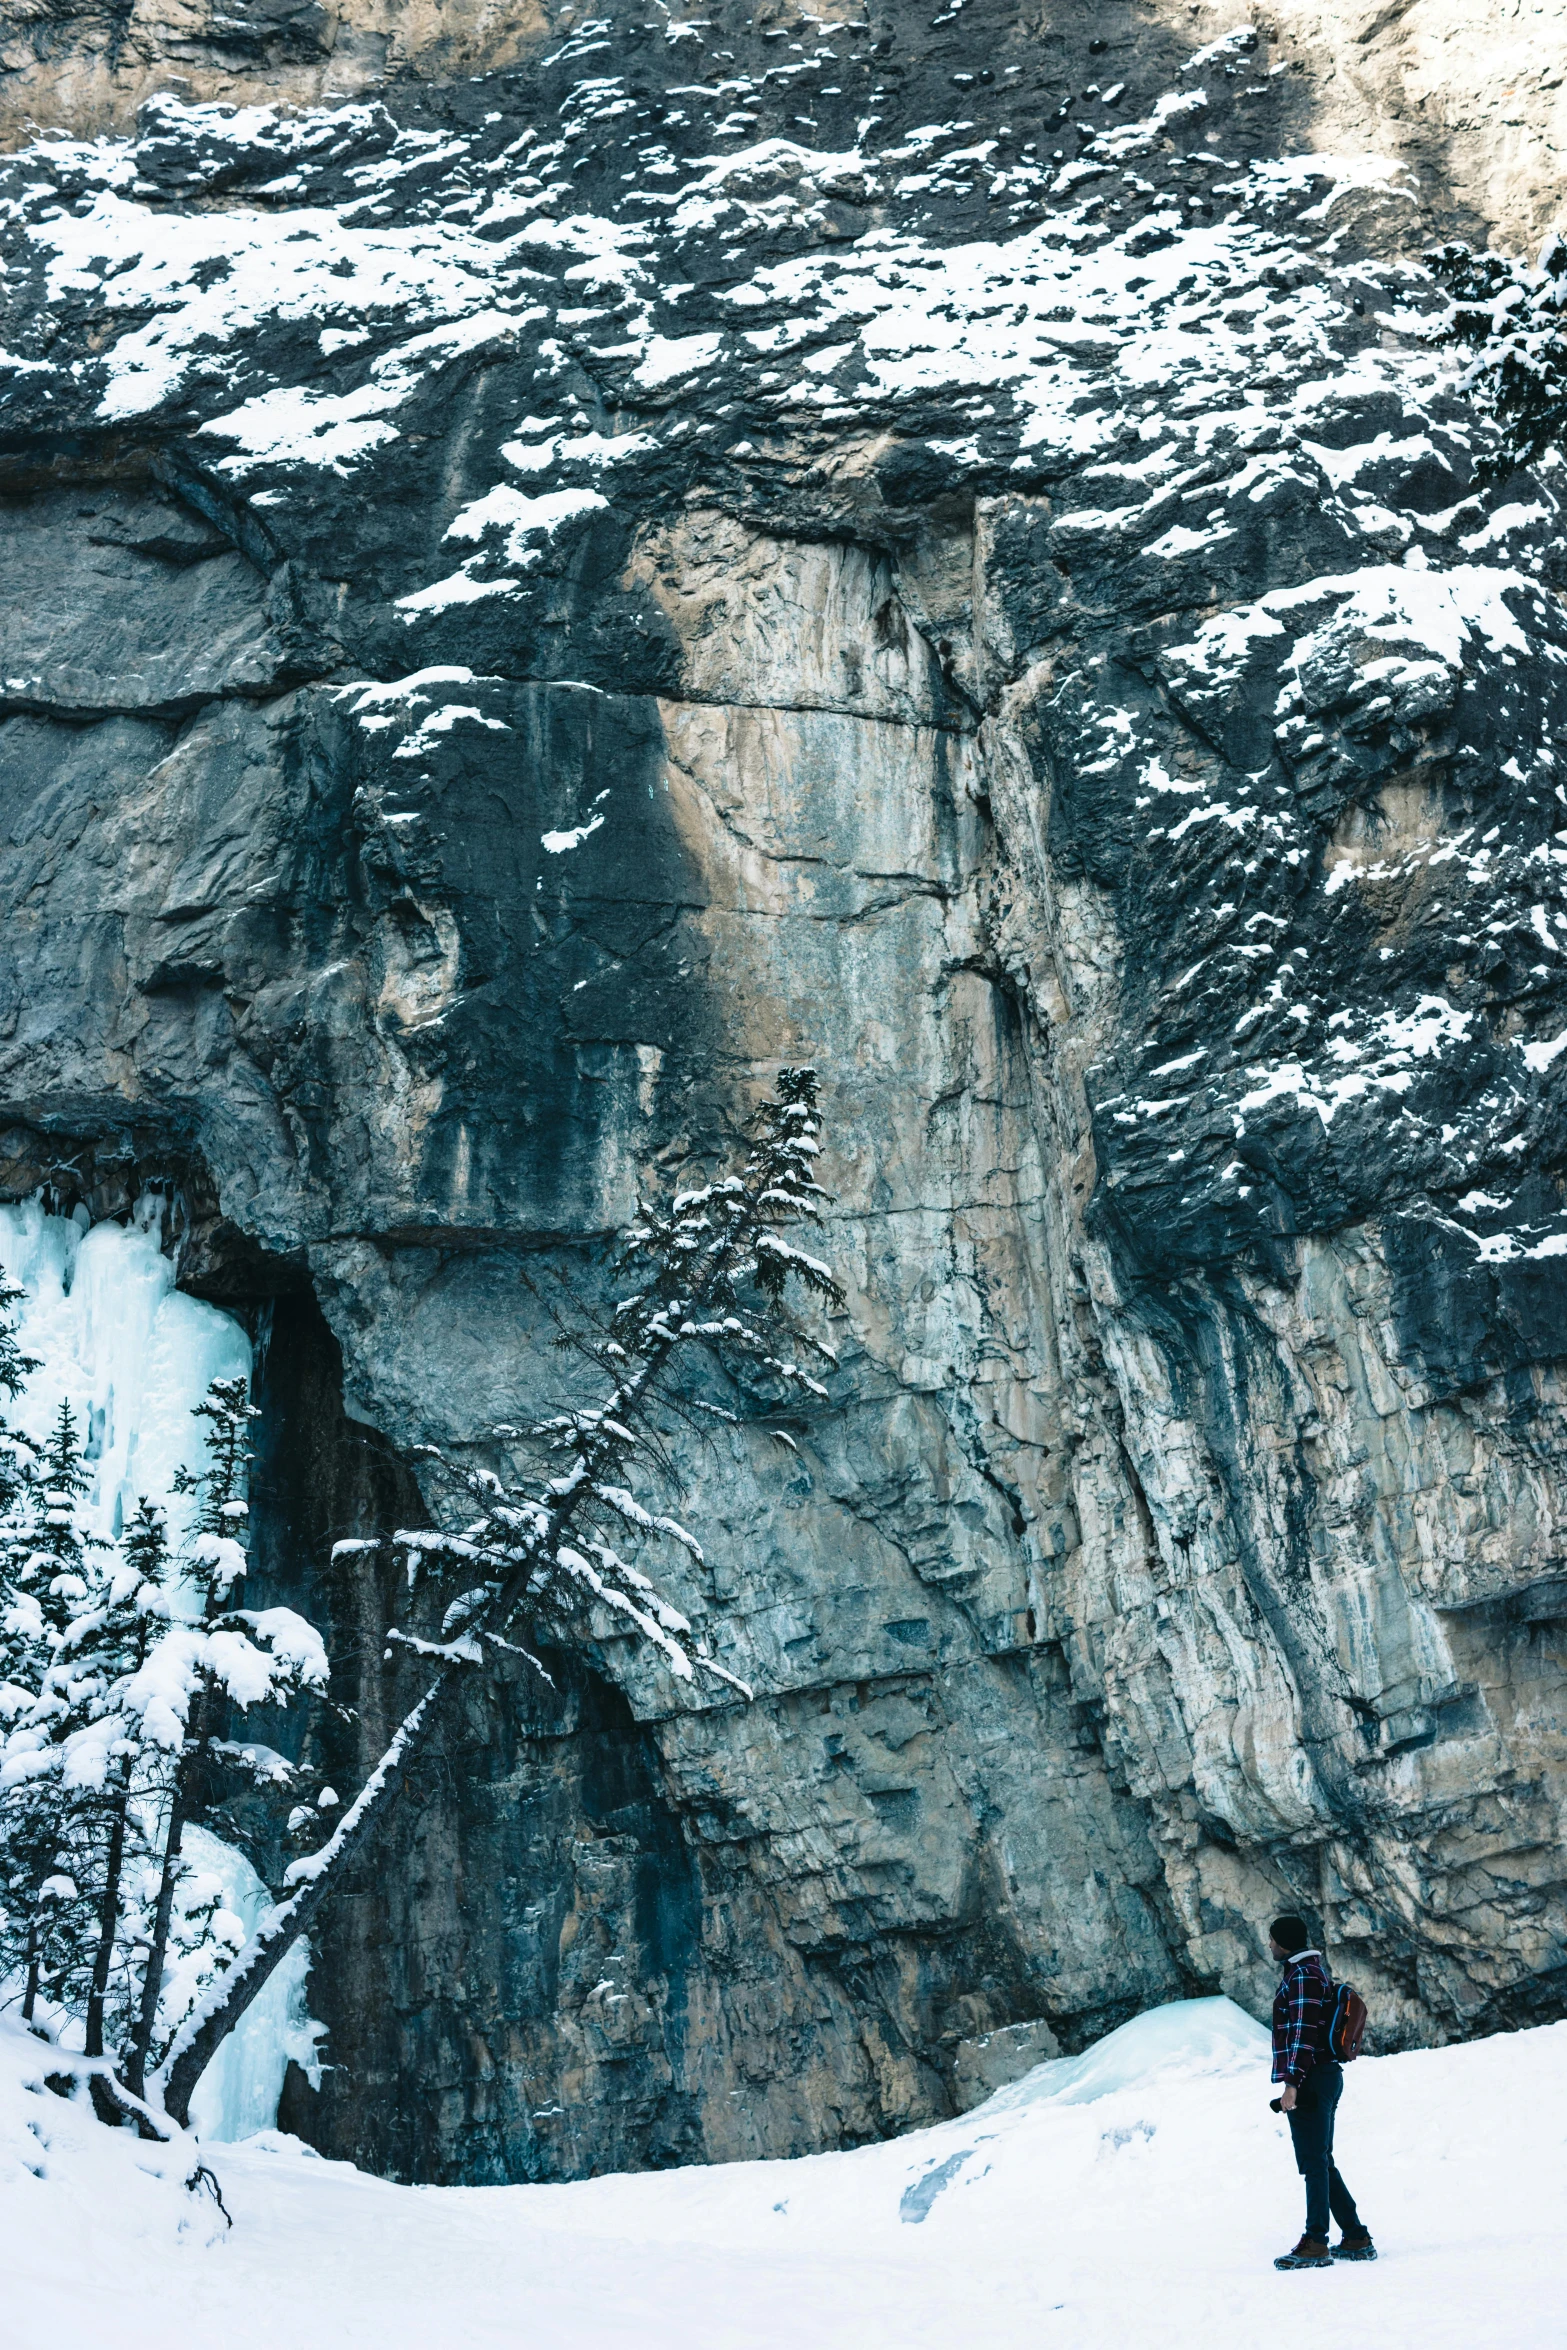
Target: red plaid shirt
{"x":1302,"y":2010}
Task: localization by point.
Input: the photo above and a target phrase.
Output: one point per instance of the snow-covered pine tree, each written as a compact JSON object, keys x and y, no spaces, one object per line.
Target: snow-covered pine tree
{"x":79,"y":1760}
{"x":224,"y":1514}
{"x":22,"y":1639}
{"x":24,"y":1648}
{"x":16,"y":1368}
{"x":107,"y":1757}
{"x":60,"y":1566}
{"x":710,"y":1271}
{"x":87,"y":1611}
{"x":111,"y":1694}
{"x":239,"y":1656}
{"x":49,"y":1900}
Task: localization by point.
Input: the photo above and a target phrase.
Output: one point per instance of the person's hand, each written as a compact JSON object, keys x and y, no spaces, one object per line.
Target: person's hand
{"x":1287,"y":2098}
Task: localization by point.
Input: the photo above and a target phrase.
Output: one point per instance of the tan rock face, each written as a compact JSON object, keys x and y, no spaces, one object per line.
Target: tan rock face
{"x":1474,"y":96}
{"x":536,"y":602}
{"x":87,"y":68}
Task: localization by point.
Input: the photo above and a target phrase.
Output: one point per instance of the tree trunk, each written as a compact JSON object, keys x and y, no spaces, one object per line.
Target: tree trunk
{"x":152,"y":1981}
{"x":214,"y":2017}
{"x":30,"y":1995}
{"x":108,"y":1914}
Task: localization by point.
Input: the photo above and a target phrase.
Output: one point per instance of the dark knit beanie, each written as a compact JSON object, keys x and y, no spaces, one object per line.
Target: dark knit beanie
{"x":1291,"y":1934}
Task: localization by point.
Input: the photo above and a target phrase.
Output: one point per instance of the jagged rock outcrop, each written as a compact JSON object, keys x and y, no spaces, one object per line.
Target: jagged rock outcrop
{"x":949,"y":550}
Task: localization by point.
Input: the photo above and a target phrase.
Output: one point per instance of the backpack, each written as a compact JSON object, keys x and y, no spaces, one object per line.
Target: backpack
{"x":1347,"y":2024}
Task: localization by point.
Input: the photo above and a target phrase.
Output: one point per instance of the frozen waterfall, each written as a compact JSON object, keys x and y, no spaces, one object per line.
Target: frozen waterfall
{"x":134,"y":1356}
{"x":131,"y":1353}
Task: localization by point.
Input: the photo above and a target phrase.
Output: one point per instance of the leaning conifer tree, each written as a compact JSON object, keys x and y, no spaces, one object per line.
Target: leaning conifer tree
{"x":710,"y":1271}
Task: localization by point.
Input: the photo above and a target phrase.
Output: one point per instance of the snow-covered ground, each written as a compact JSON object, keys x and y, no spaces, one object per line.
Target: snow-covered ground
{"x":1130,"y":2199}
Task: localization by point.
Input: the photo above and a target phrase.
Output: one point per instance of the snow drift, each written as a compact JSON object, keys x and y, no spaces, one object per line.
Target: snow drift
{"x":1132,"y":2195}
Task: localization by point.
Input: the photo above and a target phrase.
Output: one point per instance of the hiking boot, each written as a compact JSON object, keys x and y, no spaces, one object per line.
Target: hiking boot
{"x":1308,"y":2253}
{"x":1355,"y":2244}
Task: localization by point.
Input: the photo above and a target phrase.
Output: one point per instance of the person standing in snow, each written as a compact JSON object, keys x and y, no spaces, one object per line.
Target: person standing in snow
{"x":1313,"y":2083}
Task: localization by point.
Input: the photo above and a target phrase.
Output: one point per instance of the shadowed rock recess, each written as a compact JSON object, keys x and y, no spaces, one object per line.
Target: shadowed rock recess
{"x":939,"y":544}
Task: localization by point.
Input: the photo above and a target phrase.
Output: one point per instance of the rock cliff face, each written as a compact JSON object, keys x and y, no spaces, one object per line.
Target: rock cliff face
{"x":943,"y":546}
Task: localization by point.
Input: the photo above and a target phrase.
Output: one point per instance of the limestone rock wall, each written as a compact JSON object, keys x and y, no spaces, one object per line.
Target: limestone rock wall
{"x":530,"y":601}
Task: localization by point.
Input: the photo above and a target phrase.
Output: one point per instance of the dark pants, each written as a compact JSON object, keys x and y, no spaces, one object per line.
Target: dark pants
{"x":1311,"y":2127}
